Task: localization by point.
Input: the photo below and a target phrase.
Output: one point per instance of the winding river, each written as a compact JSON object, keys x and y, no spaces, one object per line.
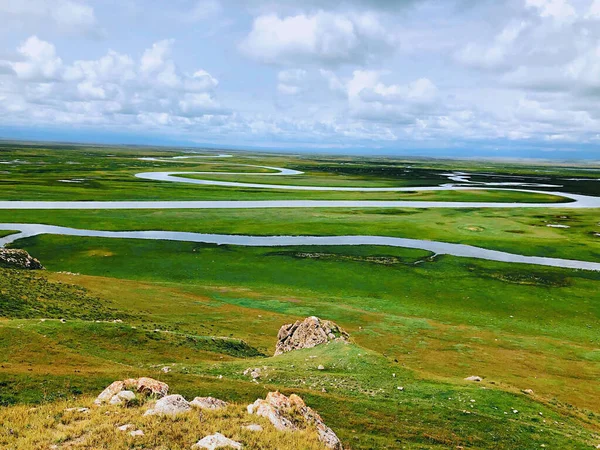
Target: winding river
{"x":572,"y":201}
{"x":438,"y":248}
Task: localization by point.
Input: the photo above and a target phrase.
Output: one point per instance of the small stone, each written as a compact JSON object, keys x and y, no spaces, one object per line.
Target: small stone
{"x":125,"y":427}
{"x":165,"y":369}
{"x":122,"y":397}
{"x":528,"y":391}
{"x":215,"y":441}
{"x":474,"y":378}
{"x":136,"y":433}
{"x":400,"y":388}
{"x":253,"y":427}
{"x":321,"y":367}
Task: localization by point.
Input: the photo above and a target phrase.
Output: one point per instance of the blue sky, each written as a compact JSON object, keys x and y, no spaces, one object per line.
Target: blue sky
{"x":517,"y":78}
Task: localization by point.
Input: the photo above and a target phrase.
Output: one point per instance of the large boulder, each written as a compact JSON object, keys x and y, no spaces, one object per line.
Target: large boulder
{"x":18,"y":259}
{"x":170,"y":405}
{"x":290,"y":414}
{"x":150,"y":386}
{"x":215,"y":441}
{"x":308,"y":333}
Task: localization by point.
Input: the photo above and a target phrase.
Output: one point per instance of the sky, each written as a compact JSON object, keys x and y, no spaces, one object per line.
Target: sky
{"x":516,"y":78}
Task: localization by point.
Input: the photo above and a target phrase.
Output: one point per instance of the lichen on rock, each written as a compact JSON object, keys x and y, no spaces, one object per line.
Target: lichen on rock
{"x":308,"y":333}
{"x":18,"y":259}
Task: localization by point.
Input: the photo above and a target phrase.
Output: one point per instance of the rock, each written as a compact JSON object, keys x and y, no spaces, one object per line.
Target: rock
{"x":321,"y":367}
{"x":254,"y":373}
{"x":165,"y":369}
{"x":308,"y":333}
{"x":208,"y":403}
{"x":107,"y":394}
{"x":169,"y":405}
{"x":125,"y":427}
{"x":215,"y":441}
{"x":18,"y":259}
{"x":253,"y":427}
{"x":122,"y":397}
{"x":474,"y":378}
{"x":291,"y":413}
{"x":136,"y":433}
{"x":528,"y":391}
{"x":150,"y":386}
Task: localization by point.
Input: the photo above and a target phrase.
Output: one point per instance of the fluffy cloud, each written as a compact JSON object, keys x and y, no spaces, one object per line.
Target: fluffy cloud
{"x":112,"y":89}
{"x":39,"y":63}
{"x":325,"y":38}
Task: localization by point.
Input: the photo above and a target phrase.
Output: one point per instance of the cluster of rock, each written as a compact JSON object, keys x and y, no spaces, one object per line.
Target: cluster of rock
{"x":308,"y":333}
{"x":124,"y":392}
{"x":291,"y":413}
{"x":18,"y":259}
{"x":285,"y":413}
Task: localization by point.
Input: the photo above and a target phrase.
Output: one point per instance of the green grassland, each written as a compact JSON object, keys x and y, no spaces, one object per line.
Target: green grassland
{"x":523,"y":231}
{"x":108,"y":309}
{"x":76,"y":174}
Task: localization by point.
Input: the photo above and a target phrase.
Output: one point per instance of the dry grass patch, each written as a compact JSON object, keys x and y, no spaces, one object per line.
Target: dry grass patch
{"x":54,"y":425}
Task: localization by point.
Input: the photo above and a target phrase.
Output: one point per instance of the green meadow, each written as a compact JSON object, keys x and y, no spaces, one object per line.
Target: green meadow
{"x":108,"y":309}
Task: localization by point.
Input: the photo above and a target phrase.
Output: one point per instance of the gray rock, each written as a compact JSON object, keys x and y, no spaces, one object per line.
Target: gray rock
{"x":215,"y":441}
{"x":18,"y":259}
{"x":283,"y":413}
{"x":169,"y":405}
{"x":308,"y":333}
{"x":107,"y":394}
{"x":253,"y":427}
{"x":122,"y":398}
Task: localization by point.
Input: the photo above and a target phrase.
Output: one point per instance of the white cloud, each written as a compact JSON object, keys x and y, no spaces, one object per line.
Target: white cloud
{"x":324,"y":37}
{"x":66,"y":16}
{"x":42,"y":87}
{"x":39,"y":61}
{"x":560,"y":10}
{"x":496,"y":55}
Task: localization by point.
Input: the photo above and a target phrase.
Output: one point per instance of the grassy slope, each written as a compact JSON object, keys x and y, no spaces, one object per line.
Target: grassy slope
{"x":431,"y":324}
{"x":535,"y":320}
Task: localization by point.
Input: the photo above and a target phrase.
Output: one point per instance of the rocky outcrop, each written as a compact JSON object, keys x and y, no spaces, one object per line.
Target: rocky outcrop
{"x":215,"y":441}
{"x":290,"y":414}
{"x":308,"y":333}
{"x":170,"y":405}
{"x":18,"y":259}
{"x":208,"y":403}
{"x":113,"y":394}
